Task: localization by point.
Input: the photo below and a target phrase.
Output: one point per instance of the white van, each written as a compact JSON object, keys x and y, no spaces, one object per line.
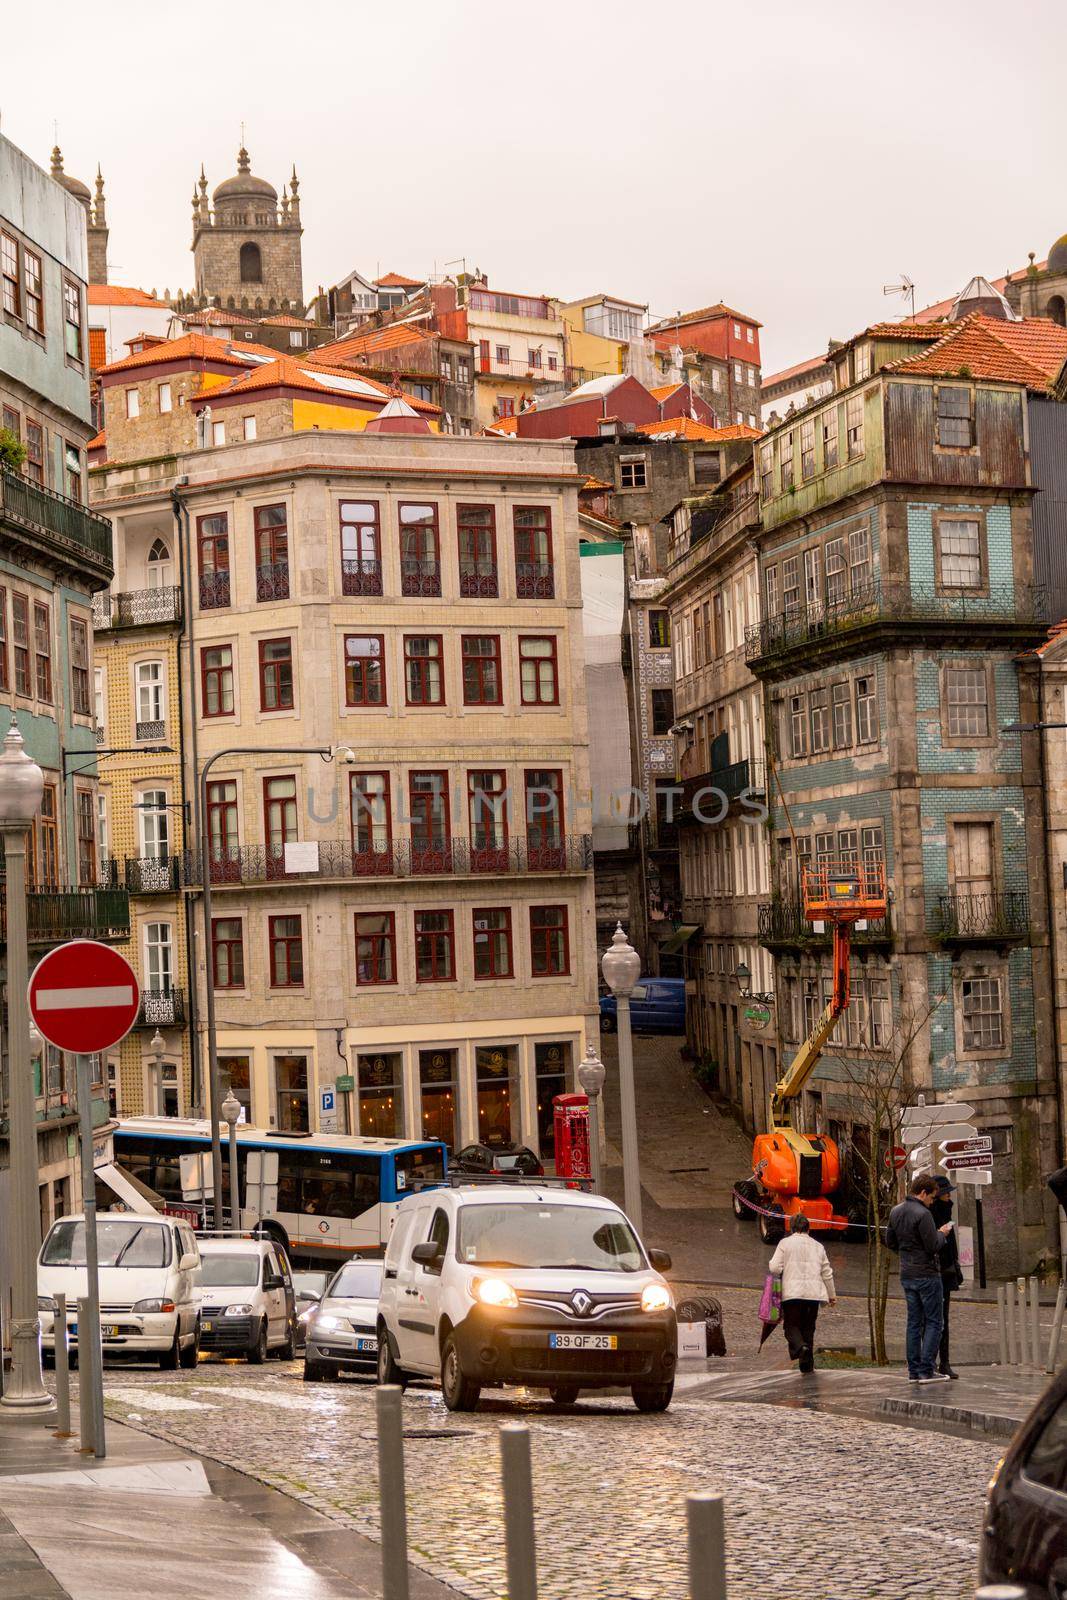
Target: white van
{"x":149,"y":1285}
{"x":247,"y":1302}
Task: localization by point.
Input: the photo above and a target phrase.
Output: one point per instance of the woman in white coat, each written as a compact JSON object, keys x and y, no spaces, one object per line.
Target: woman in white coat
{"x":807,"y":1283}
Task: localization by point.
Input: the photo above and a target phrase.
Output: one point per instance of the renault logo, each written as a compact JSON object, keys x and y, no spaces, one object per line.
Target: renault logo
{"x":581,"y":1302}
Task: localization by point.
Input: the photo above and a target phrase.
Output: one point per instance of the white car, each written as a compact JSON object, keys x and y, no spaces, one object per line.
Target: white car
{"x":528,"y":1284}
{"x":149,"y":1285}
{"x":247,"y":1303}
{"x":342,"y":1335}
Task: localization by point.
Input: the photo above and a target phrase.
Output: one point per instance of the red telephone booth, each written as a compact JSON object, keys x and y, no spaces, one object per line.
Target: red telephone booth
{"x":571,"y":1117}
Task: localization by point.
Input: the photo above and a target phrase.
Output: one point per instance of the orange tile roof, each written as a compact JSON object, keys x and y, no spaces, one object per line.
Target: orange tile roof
{"x":359,"y":345}
{"x":665,"y":390}
{"x":590,"y":484}
{"x":943,"y":307}
{"x":286,"y":372}
{"x":1055,"y":634}
{"x":813,"y":364}
{"x":705,"y":314}
{"x":697,"y":430}
{"x":97,"y":348}
{"x":1031,"y":352}
{"x":190,"y":347}
{"x":284,"y":321}
{"x":394,"y":280}
{"x":914,"y":331}
{"x":505,"y":426}
{"x":215,"y":317}
{"x":111,"y":294}
{"x":98,"y":441}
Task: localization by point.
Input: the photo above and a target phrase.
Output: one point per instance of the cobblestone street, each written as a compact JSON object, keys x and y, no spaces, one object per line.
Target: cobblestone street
{"x":818,"y":1507}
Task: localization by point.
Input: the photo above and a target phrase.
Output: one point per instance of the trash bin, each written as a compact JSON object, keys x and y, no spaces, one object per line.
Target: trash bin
{"x":707,"y":1310}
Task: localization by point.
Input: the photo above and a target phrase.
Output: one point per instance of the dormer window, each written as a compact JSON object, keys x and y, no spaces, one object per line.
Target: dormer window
{"x":955,"y":418}
{"x":861,"y":362}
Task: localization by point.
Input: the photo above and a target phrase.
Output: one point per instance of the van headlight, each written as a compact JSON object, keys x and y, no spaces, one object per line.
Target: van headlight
{"x":45,"y":1302}
{"x":147,"y":1308}
{"x":238,"y":1311}
{"x":656,"y":1297}
{"x":494,"y":1292}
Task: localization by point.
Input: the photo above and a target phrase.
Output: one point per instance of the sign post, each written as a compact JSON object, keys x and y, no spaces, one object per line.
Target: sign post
{"x":84,"y":998}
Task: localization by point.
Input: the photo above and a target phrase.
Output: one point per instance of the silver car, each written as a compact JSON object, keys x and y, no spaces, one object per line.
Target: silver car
{"x":341,"y":1331}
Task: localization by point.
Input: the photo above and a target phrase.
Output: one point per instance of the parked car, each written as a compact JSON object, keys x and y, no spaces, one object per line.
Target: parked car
{"x":1024,"y":1535}
{"x":524,"y":1283}
{"x":657,"y":1005}
{"x":490,"y":1158}
{"x":308,"y":1288}
{"x":149,"y":1285}
{"x":342,"y":1333}
{"x":247,"y":1307}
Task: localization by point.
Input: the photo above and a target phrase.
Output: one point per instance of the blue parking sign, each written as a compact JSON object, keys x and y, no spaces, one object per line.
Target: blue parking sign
{"x":326,"y":1100}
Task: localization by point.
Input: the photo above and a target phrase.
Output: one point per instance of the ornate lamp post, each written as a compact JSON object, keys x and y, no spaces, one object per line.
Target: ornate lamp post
{"x":591,"y":1076}
{"x":621,"y":966}
{"x":231,"y":1110}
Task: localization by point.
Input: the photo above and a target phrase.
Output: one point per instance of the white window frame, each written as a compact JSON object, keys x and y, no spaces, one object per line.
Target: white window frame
{"x":150,"y":692}
{"x":133,"y":404}
{"x":166,"y":399}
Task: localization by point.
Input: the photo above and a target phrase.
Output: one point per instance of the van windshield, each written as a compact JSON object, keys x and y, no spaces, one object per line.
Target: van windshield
{"x":119,"y":1244}
{"x":240,"y":1271}
{"x":548,"y":1236}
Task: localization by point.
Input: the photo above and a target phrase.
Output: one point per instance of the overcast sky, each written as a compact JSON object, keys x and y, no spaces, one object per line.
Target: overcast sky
{"x":789,"y":158}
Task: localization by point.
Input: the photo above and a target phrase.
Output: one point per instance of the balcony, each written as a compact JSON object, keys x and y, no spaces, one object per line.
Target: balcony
{"x":535,"y":580}
{"x":783,"y":927}
{"x":214,"y":590}
{"x":420,"y":578}
{"x":1006,"y":614}
{"x":272,"y":581}
{"x":153,"y":874}
{"x":360,"y":576}
{"x":982,"y":918}
{"x":710,"y":789}
{"x":150,"y":732}
{"x":55,"y":915}
{"x":339,"y":859}
{"x":161,"y":1008}
{"x":137,"y":608}
{"x":478,"y":580}
{"x":36,"y":511}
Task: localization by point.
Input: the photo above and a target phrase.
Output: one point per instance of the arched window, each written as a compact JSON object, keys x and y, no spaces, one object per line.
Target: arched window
{"x":159,"y":569}
{"x":251,"y":265}
{"x":1057,"y":310}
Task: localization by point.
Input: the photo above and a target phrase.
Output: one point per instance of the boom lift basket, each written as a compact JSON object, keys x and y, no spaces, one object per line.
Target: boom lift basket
{"x":845,"y":889}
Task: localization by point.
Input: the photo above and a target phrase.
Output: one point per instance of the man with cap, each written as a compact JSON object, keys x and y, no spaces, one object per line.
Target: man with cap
{"x":949,"y":1261}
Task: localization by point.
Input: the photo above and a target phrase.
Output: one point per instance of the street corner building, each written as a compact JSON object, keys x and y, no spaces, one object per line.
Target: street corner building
{"x":886,"y":579}
{"x":55,"y":558}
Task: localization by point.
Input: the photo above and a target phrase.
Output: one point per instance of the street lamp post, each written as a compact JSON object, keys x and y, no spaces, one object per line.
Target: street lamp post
{"x":157,"y":1044}
{"x":231,"y":1110}
{"x":591,"y":1077}
{"x":21,"y":788}
{"x":621,"y":966}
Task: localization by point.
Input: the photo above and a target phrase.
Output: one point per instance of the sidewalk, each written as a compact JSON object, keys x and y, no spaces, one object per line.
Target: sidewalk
{"x":152,"y":1519}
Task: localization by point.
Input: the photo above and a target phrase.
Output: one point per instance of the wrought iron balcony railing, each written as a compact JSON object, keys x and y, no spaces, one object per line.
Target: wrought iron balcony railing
{"x":884,"y":601}
{"x":710,"y":789}
{"x":137,"y":608}
{"x":783,"y":923}
{"x":42,"y":510}
{"x":339,"y":858}
{"x":478,"y":580}
{"x":419,"y":577}
{"x":272,"y":581}
{"x":162,"y":1008}
{"x":214,"y":590}
{"x":151,"y":731}
{"x":535,"y":580}
{"x":360,"y":576}
{"x":983,"y":918}
{"x":154,"y":874}
{"x":54,"y":915}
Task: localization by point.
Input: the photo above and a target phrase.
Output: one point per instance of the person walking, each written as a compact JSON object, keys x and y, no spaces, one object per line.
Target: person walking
{"x":914,"y":1235}
{"x":807,"y":1283}
{"x":948,"y":1260}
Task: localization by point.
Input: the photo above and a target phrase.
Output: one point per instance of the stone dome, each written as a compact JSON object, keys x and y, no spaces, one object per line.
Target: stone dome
{"x":244,"y":185}
{"x":1057,"y":256}
{"x":73,"y":186}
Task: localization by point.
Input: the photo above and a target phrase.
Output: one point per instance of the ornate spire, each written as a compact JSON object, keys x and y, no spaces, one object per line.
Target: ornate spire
{"x":99,"y":213}
{"x":285,"y":201}
{"x":202,"y":204}
{"x":244,"y":164}
{"x":57,"y":161}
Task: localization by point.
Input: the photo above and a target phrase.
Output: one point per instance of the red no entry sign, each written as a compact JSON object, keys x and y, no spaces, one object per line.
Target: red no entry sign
{"x":84,"y":997}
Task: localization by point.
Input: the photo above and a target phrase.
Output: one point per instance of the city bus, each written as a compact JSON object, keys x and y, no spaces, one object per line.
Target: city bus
{"x":325,"y":1196}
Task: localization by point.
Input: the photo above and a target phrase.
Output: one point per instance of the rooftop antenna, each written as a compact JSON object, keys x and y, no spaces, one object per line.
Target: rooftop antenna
{"x":905,"y":288}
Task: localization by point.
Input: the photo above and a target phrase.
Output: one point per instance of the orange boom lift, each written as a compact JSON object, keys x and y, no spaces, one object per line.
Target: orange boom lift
{"x":795,"y":1171}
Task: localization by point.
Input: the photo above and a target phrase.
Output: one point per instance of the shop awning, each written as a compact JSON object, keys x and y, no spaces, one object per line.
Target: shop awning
{"x":134,"y":1195}
{"x":681,"y":936}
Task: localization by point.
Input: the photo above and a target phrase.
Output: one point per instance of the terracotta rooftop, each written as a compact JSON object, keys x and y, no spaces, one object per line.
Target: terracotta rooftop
{"x":192,"y":347}
{"x":1031,"y":352}
{"x":904,"y":330}
{"x":284,"y":321}
{"x":286,"y":372}
{"x":215,"y":317}
{"x":112,"y":294}
{"x":943,"y":307}
{"x":1057,"y":632}
{"x":98,"y":441}
{"x":590,"y":484}
{"x":664,"y":391}
{"x":505,"y":427}
{"x":686,"y":428}
{"x":395,"y":280}
{"x":705,"y":314}
{"x":813,"y":364}
{"x":357,"y":346}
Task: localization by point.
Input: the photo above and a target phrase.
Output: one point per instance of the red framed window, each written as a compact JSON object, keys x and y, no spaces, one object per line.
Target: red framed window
{"x":505,"y":404}
{"x":5,"y":681}
{"x":431,"y":843}
{"x":476,"y":535}
{"x":361,"y":547}
{"x":31,"y":269}
{"x":372,"y":824}
{"x":79,"y":659}
{"x":534,"y":577}
{"x":375,"y":947}
{"x":276,"y":674}
{"x":213,"y":554}
{"x":492,"y":942}
{"x":550,"y":952}
{"x":544,"y":818}
{"x":222,"y":829}
{"x":20,"y":631}
{"x":420,"y":549}
{"x":365,"y":669}
{"x":424,"y":678}
{"x":228,"y":952}
{"x":483,"y":355}
{"x":286,"y":953}
{"x":538,"y":670}
{"x":435,"y":947}
{"x":272,"y":552}
{"x":482,"y":677}
{"x":216,"y":680}
{"x":487,"y":811}
{"x":279,"y":821}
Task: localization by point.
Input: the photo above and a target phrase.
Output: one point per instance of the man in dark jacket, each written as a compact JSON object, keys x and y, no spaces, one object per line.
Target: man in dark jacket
{"x":948,"y":1261}
{"x":913,"y":1233}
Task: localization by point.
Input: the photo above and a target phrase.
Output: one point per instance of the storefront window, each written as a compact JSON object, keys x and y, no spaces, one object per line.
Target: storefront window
{"x":437,"y":1081}
{"x":381,"y":1103}
{"x":498,"y":1094}
{"x":235,"y":1074}
{"x":291,"y":1092}
{"x":552,"y":1062}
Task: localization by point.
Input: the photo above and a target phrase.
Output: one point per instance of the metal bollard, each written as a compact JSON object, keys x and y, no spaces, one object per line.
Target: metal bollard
{"x":1002,"y":1324}
{"x":86,"y":1410}
{"x":1020,"y":1311}
{"x":519,"y":1535}
{"x":707,"y":1546}
{"x":59,"y":1339}
{"x":1057,"y":1324}
{"x":392,"y":1494}
{"x":1035,"y":1323}
{"x":1009,"y":1302}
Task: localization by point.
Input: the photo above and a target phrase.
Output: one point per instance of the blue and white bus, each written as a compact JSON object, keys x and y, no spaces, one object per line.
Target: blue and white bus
{"x":325,"y":1196}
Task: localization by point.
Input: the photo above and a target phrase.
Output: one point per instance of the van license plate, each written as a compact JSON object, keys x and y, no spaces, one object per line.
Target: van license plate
{"x":366,"y":1344}
{"x":109,"y":1330}
{"x":583,"y":1341}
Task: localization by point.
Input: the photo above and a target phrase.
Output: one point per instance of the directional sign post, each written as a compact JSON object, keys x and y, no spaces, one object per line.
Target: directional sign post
{"x":84,"y":998}
{"x":952,"y":1163}
{"x":980,"y":1145}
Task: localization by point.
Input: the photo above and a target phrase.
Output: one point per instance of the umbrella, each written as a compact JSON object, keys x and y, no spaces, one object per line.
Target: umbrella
{"x":767,"y":1330}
